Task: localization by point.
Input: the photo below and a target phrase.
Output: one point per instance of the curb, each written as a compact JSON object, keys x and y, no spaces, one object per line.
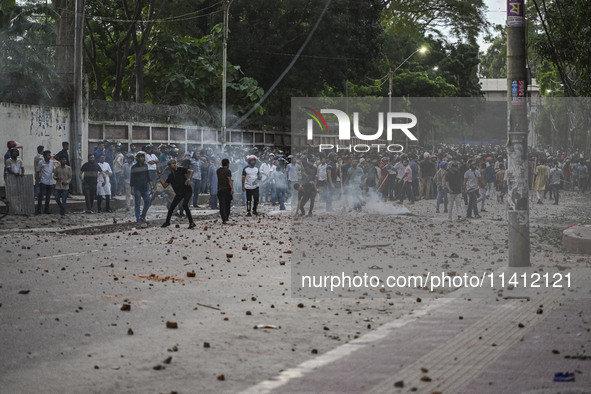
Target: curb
{"x":577,"y":239}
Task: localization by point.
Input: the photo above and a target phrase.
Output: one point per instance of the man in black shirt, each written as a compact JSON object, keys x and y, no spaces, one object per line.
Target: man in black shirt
{"x":89,"y":174}
{"x":225,"y":189}
{"x":141,"y":187}
{"x":64,"y":152}
{"x":306,"y":192}
{"x":180,"y":179}
{"x":427,"y":172}
{"x":453,"y":180}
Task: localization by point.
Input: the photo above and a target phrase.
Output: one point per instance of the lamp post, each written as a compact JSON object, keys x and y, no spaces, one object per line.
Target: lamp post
{"x":390,"y":81}
{"x":226,"y":7}
{"x":391,"y":75}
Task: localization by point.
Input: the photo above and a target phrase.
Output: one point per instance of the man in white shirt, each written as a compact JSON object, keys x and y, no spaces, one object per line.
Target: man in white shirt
{"x":103,"y":187}
{"x":250,"y":183}
{"x":196,"y":179}
{"x":45,"y":175}
{"x":152,"y":162}
{"x":265,"y":172}
{"x":292,"y":174}
{"x":14,"y":165}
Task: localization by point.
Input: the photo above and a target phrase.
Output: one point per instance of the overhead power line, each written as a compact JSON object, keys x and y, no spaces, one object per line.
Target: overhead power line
{"x":284,"y":73}
{"x":177,"y":18}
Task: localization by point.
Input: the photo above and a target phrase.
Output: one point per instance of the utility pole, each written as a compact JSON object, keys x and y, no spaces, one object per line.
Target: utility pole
{"x":77,"y":123}
{"x":390,"y":90}
{"x":226,"y":10}
{"x":517,"y":149}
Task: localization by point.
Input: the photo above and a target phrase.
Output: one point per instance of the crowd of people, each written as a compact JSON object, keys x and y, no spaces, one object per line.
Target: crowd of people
{"x":446,"y":174}
{"x":249,"y":176}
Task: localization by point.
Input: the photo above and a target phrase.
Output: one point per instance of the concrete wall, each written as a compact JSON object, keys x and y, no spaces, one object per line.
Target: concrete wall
{"x":186,"y":138}
{"x":30,"y":126}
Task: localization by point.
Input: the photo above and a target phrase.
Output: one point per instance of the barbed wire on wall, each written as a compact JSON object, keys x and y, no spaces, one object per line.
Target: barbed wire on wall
{"x":101,"y":110}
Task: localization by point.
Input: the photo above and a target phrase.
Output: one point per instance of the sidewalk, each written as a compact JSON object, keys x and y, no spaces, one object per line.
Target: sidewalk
{"x":461,"y":345}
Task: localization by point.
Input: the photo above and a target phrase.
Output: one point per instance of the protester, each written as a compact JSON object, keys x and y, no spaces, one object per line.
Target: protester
{"x":501,"y":184}
{"x":103,"y":188}
{"x":453,"y":182}
{"x":118,"y":161}
{"x":196,"y":179}
{"x":415,"y":176}
{"x":180,"y":179}
{"x":471,"y":186}
{"x":125,"y":179}
{"x":490,"y":178}
{"x":407,"y":183}
{"x":14,"y":165}
{"x":250,"y":183}
{"x":540,"y":179}
{"x":426,"y":173}
{"x":482,"y":188}
{"x":10,"y":145}
{"x":89,"y":175}
{"x":293,"y":170}
{"x":36,"y":160}
{"x":265,"y":184}
{"x":212,"y":180}
{"x":225,"y":190}
{"x":152,"y":162}
{"x":62,"y":175}
{"x":100,"y":150}
{"x":280,"y":183}
{"x":45,"y":175}
{"x":141,"y":186}
{"x":354,"y":182}
{"x":306,"y":192}
{"x":554,"y":178}
{"x":441,"y":187}
{"x":65,"y":152}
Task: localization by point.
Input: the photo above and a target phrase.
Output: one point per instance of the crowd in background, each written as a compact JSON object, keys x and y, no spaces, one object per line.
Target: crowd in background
{"x":447,"y":174}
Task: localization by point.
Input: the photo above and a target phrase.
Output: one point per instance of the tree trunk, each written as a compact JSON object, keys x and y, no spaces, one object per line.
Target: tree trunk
{"x":92,"y":60}
{"x":139,"y":48}
{"x":64,"y":49}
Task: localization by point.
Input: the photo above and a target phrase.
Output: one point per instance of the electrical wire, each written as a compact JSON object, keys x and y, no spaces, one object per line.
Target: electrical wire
{"x":284,"y":73}
{"x":178,"y":18}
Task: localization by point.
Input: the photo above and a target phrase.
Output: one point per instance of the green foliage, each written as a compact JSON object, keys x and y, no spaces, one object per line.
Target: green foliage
{"x":170,"y":52}
{"x":265,"y":36}
{"x":26,"y":53}
{"x":177,"y":68}
{"x":564,"y":40}
{"x":462,"y":19}
{"x":493,"y":63}
{"x":189,"y":71}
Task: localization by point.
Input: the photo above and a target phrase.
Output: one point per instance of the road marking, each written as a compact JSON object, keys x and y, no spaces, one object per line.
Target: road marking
{"x":342,"y":351}
{"x":66,"y":254}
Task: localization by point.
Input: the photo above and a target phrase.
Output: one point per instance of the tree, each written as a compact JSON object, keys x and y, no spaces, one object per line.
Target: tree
{"x":493,"y":63}
{"x":188,"y":70}
{"x":265,"y":36}
{"x":141,"y":52}
{"x":565,"y":40}
{"x":461,"y":19}
{"x":27,"y":45}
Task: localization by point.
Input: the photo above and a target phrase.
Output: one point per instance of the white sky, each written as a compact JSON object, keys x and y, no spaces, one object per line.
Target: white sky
{"x":496,"y":15}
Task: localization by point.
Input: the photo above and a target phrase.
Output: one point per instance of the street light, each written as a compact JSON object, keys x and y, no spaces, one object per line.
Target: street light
{"x":422,"y":49}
